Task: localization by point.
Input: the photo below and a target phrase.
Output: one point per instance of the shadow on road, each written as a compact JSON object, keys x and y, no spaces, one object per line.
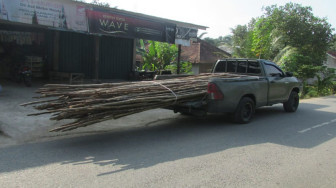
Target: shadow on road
{"x":171,"y":140}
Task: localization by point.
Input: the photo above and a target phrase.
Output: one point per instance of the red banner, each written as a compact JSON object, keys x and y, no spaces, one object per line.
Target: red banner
{"x":125,"y":26}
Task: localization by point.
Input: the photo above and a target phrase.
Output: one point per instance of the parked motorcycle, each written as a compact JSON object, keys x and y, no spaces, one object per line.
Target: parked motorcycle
{"x":26,"y":76}
{"x":23,"y":74}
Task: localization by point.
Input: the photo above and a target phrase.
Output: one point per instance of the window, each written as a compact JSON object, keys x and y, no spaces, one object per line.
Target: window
{"x":253,"y":67}
{"x":221,"y":66}
{"x":242,"y":65}
{"x":272,"y":70}
{"x":239,"y":66}
{"x":231,"y":66}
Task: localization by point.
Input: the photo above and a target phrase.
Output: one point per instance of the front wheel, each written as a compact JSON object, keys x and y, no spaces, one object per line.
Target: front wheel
{"x":293,"y":102}
{"x":244,"y":111}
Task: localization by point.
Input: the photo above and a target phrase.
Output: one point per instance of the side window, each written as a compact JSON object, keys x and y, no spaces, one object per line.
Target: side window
{"x":220,"y":67}
{"x":253,"y":68}
{"x":242,"y":65}
{"x":272,"y":70}
{"x":231,"y":66}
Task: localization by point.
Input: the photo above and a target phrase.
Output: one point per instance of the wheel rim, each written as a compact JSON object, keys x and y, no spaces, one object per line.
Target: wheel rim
{"x":247,"y":111}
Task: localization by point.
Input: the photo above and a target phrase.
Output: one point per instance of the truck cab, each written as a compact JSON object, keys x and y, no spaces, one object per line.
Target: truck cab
{"x":279,"y":83}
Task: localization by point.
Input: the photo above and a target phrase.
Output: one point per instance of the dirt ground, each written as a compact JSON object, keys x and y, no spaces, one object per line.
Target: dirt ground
{"x":17,"y":128}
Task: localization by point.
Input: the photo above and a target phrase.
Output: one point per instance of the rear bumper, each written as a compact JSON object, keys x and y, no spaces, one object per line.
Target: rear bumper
{"x":220,"y":106}
{"x":207,"y":106}
{"x":195,"y":108}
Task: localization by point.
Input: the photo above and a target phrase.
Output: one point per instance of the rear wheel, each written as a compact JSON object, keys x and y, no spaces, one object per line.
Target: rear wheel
{"x":186,"y":113}
{"x":27,"y":81}
{"x":293,"y":102}
{"x":245,"y":110}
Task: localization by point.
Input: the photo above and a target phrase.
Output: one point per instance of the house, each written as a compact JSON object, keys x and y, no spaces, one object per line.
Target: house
{"x":331,"y":59}
{"x":202,"y":55}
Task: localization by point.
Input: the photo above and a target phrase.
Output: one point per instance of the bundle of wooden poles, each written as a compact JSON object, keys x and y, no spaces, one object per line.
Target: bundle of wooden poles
{"x":92,"y":103}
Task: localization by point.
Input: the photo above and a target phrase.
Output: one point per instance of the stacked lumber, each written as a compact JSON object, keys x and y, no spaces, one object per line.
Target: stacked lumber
{"x":93,"y":103}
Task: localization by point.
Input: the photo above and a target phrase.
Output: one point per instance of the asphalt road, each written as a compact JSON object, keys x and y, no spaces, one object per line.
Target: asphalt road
{"x":276,"y":149}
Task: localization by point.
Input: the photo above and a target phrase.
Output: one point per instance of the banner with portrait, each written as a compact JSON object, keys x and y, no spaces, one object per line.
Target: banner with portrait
{"x":62,"y":15}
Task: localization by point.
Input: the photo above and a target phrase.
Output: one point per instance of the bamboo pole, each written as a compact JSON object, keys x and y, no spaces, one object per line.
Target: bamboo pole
{"x":94,"y":103}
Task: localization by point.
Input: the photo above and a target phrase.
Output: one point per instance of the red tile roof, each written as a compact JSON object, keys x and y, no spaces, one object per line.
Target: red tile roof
{"x":202,"y":52}
{"x":332,"y":53}
{"x":191,"y":53}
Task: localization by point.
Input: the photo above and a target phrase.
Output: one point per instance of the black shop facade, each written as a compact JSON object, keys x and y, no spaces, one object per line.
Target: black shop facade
{"x":72,"y":37}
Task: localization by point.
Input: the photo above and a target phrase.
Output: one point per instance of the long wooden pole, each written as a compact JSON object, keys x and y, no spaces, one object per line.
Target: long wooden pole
{"x":93,"y":103}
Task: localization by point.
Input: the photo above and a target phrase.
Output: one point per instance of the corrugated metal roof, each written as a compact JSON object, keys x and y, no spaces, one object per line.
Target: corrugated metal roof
{"x":154,"y":18}
{"x":135,"y":14}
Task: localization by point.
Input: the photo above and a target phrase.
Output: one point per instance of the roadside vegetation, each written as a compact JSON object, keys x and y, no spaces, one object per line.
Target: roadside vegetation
{"x":295,"y":39}
{"x":159,"y":57}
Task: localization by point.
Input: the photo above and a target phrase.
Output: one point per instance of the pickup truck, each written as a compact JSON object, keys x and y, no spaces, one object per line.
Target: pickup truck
{"x":265,"y":84}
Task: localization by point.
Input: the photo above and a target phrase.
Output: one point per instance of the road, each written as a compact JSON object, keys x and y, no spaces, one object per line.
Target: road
{"x":276,"y":149}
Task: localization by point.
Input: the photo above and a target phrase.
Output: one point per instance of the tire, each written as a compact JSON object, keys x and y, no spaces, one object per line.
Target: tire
{"x":186,"y":114}
{"x":28,"y":84}
{"x":245,"y":111}
{"x":27,"y":81}
{"x":293,"y":102}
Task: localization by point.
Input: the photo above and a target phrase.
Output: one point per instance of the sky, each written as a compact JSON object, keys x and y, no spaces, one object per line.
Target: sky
{"x":219,"y":15}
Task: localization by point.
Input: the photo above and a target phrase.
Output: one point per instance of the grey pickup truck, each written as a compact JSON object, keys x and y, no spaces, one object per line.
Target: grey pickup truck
{"x":265,"y":84}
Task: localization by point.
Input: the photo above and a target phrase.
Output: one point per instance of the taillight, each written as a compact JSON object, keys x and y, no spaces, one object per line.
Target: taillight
{"x":214,"y":92}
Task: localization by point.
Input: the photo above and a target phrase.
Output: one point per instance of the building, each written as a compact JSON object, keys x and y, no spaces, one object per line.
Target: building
{"x":202,"y":55}
{"x":63,"y":37}
{"x":331,"y":59}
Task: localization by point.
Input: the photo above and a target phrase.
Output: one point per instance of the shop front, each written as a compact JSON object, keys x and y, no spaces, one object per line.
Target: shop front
{"x":65,"y":38}
{"x":22,"y":47}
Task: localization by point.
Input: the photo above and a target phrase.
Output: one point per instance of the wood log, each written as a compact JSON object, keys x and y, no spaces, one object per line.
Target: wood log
{"x":93,"y":103}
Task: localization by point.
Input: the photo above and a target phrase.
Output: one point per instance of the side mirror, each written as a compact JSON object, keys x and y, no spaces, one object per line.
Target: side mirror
{"x":289,"y":74}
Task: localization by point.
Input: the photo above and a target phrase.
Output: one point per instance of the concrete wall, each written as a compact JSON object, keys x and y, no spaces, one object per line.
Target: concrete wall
{"x":331,"y":61}
{"x":195,"y":68}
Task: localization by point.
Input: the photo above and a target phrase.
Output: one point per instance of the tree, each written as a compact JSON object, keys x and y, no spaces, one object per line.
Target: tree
{"x":99,"y":3}
{"x":185,"y":67}
{"x":262,"y":38}
{"x":333,"y":44}
{"x":157,"y":55}
{"x":289,"y":35}
{"x":221,"y":40}
{"x":242,"y":41}
{"x":311,"y":35}
{"x":96,"y":2}
{"x":304,"y":42}
{"x":226,"y":40}
{"x":210,"y":40}
{"x":325,"y":81}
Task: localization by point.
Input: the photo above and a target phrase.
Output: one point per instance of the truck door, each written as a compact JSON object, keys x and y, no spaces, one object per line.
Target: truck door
{"x":277,"y":91}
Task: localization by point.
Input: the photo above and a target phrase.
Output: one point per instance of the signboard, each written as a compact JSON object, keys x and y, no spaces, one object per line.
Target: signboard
{"x":47,"y":13}
{"x":183,"y":35}
{"x":109,"y":23}
{"x":21,"y":38}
